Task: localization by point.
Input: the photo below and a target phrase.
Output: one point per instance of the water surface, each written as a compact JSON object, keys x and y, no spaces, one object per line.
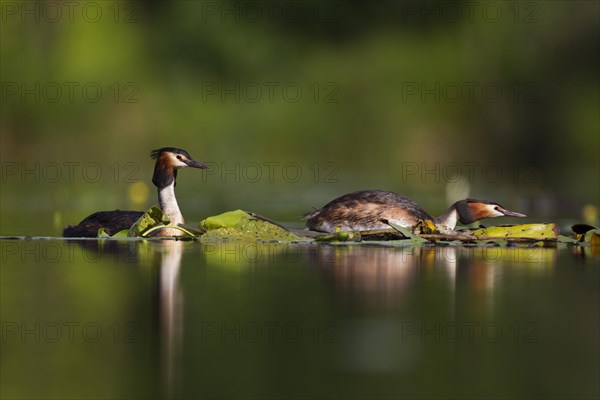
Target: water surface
{"x":147,"y":319}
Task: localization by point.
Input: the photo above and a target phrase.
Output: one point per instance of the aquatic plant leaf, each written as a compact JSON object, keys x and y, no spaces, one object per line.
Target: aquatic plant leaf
{"x":529,"y":231}
{"x":243,"y":226}
{"x":156,"y":213}
{"x":152,"y":218}
{"x":566,"y":239}
{"x":593,"y":237}
{"x":102,"y":233}
{"x":121,"y":234}
{"x":407,"y":233}
{"x":227,"y":219}
{"x":340,"y":236}
{"x":425,"y":226}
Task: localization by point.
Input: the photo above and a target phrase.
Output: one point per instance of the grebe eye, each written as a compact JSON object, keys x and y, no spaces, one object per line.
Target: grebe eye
{"x":178,"y":157}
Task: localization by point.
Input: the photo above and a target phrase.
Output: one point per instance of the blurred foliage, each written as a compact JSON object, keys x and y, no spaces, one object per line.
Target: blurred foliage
{"x":176,"y":60}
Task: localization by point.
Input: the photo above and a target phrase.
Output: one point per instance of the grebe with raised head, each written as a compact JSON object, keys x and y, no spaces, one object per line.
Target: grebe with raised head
{"x":168,"y":161}
{"x":368,"y":209}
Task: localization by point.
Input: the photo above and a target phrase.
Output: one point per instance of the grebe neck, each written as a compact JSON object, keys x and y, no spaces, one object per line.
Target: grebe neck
{"x":168,"y":204}
{"x":447,"y":219}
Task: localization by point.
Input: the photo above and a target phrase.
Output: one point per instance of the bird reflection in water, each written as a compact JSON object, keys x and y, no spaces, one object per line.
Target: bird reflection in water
{"x":376,"y":275}
{"x":170,"y":309}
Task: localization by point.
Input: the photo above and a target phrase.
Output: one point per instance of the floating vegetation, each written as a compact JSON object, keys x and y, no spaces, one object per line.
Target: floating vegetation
{"x":239,"y":225}
{"x":524,"y":231}
{"x":544,"y":234}
{"x":152,"y":221}
{"x":587,"y":234}
{"x":244,"y":226}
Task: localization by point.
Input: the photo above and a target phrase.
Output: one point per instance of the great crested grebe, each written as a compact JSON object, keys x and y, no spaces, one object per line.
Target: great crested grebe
{"x":366,"y":210}
{"x":168,"y":161}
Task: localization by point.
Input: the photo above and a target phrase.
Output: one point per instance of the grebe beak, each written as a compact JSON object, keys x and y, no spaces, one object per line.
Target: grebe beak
{"x":509,"y":213}
{"x":195,"y":164}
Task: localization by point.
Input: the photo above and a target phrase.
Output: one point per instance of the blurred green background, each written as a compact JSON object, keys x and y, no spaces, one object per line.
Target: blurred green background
{"x":291,"y":104}
{"x":294,"y":103}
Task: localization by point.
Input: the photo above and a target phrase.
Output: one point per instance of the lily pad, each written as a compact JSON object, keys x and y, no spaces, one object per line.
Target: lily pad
{"x":244,"y":226}
{"x":525,"y":231}
{"x":226,"y":220}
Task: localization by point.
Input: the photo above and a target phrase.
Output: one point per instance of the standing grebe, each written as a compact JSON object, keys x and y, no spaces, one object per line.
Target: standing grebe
{"x":366,"y":210}
{"x":168,"y":161}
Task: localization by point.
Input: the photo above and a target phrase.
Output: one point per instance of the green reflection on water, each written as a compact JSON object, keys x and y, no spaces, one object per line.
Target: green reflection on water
{"x":181,"y":319}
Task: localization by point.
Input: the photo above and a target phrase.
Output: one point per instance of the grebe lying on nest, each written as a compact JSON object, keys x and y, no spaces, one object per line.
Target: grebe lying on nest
{"x":168,"y":161}
{"x":367,"y":210}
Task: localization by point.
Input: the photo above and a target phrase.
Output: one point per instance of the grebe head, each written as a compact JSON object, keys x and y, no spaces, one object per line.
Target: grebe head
{"x":168,"y":161}
{"x":471,"y":210}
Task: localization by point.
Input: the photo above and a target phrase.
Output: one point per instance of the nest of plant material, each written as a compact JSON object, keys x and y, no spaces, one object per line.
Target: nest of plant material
{"x":246,"y":226}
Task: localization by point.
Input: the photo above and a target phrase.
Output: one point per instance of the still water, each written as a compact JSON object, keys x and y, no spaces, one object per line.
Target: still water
{"x":181,"y":319}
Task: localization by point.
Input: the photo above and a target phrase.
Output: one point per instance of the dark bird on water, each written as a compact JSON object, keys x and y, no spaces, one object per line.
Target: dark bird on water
{"x":370,"y":209}
{"x":168,"y":161}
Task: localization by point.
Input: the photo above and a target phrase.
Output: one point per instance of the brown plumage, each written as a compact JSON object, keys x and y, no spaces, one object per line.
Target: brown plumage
{"x":370,"y":209}
{"x":365,"y":210}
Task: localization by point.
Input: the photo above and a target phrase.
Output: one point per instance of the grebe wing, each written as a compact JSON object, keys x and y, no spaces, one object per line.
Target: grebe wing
{"x":365,"y":210}
{"x":111,"y":221}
